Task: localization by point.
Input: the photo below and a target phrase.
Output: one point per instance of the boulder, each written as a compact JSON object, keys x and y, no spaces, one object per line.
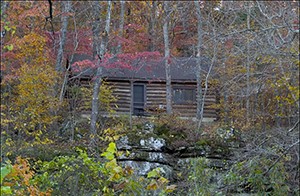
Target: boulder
{"x":142,"y":168}
{"x":152,"y":143}
{"x":158,"y":157}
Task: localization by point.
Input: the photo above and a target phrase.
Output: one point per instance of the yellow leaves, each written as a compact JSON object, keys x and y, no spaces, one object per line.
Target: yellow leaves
{"x":9,"y":142}
{"x":4,"y":120}
{"x":128,"y":171}
{"x":171,"y":188}
{"x":35,"y":99}
{"x":31,"y":49}
{"x":295,"y":91}
{"x":115,"y":171}
{"x":152,"y":186}
{"x":159,"y":182}
{"x":106,"y":97}
{"x":111,"y":135}
{"x":163,"y":180}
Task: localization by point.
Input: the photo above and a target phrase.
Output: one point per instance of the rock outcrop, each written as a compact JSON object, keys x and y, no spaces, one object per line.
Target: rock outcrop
{"x":146,"y":151}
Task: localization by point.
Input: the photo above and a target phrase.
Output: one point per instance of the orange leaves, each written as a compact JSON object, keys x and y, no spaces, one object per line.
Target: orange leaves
{"x":20,"y":179}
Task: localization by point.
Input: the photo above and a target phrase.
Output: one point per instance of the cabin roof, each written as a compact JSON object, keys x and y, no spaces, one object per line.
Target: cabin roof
{"x":182,"y":68}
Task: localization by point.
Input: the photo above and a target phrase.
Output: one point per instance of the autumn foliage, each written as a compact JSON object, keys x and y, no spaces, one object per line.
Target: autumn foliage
{"x":252,"y":48}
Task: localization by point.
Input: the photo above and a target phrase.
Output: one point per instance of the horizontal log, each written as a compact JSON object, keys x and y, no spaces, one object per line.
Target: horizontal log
{"x":155,"y":98}
{"x":121,"y":94}
{"x":179,"y":87}
{"x":194,"y":112}
{"x":121,"y":104}
{"x":128,"y":91}
{"x":206,"y":111}
{"x":123,"y":110}
{"x":194,"y":115}
{"x":119,"y":83}
{"x":126,"y":111}
{"x":156,"y":102}
{"x":161,"y":94}
{"x":155,"y":91}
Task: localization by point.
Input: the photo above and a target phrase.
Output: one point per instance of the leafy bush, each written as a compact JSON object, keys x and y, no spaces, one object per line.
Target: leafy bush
{"x":177,"y":132}
{"x":200,"y":177}
{"x":5,"y":170}
{"x":82,"y":175}
{"x":70,"y":174}
{"x":18,"y":180}
{"x":254,"y":176}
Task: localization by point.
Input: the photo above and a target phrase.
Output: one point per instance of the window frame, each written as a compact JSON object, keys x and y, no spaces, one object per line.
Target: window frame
{"x":184,"y":88}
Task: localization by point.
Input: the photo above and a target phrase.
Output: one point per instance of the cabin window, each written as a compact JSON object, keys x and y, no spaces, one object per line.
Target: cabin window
{"x":138,"y":99}
{"x":184,"y":95}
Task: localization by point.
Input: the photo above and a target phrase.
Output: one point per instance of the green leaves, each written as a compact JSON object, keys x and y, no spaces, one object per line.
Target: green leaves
{"x":110,"y":151}
{"x":11,"y":29}
{"x":6,"y":190}
{"x":108,"y":155}
{"x":4,"y":172}
{"x":154,"y":173}
{"x":9,"y":47}
{"x":7,"y":28}
{"x":111,"y":147}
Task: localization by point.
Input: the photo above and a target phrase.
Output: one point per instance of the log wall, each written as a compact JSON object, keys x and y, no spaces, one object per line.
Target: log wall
{"x":156,"y":99}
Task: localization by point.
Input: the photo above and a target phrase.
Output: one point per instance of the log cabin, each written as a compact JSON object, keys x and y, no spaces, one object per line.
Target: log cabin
{"x":141,"y":89}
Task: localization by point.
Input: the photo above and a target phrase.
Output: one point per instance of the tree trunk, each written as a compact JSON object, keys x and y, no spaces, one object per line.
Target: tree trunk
{"x":121,"y":26}
{"x":248,"y":69}
{"x":96,"y":7}
{"x":97,"y":82}
{"x":152,"y":23}
{"x":167,"y":59}
{"x":66,"y":6}
{"x":199,"y":97}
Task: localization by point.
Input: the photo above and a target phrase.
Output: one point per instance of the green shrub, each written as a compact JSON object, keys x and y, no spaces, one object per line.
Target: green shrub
{"x":200,"y":178}
{"x":83,"y":175}
{"x":254,"y":176}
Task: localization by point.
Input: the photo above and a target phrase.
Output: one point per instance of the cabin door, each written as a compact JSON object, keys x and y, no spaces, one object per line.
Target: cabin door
{"x":139,"y":99}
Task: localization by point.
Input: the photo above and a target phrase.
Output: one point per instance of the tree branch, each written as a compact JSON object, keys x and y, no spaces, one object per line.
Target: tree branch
{"x":284,"y":153}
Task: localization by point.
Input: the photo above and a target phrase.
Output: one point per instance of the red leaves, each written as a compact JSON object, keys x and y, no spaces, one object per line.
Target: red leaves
{"x":229,"y":44}
{"x":129,"y":61}
{"x":169,"y":60}
{"x":80,"y":65}
{"x":296,"y":25}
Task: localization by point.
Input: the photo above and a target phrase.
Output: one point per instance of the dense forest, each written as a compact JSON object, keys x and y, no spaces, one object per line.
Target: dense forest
{"x":250,"y":51}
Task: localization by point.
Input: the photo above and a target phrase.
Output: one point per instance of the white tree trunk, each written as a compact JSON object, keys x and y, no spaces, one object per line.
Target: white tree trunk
{"x":66,"y":8}
{"x":96,"y":27}
{"x":199,"y":97}
{"x":167,"y":59}
{"x":248,"y":68}
{"x":97,"y":82}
